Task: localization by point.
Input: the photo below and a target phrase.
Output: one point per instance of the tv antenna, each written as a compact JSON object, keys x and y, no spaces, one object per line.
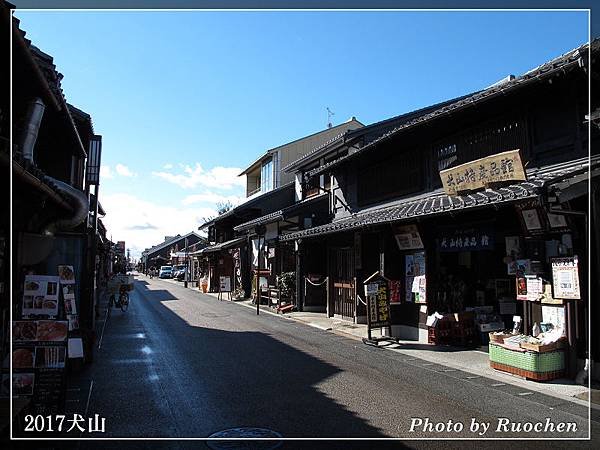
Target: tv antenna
{"x":330,"y":114}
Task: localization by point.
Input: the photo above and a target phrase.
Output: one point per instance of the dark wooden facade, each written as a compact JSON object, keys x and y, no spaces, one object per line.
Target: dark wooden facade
{"x":543,"y":114}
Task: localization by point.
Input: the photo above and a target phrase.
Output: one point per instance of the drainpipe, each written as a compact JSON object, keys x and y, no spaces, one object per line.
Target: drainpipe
{"x":35,"y":113}
{"x":77,"y":199}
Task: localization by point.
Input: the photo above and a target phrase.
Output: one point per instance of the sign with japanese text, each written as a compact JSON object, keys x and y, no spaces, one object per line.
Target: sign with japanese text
{"x":378,"y":301}
{"x":466,"y":240}
{"x":506,"y":166}
{"x":565,"y":278}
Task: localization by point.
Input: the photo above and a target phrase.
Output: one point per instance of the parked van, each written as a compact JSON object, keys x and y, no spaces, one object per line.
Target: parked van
{"x":165,"y":272}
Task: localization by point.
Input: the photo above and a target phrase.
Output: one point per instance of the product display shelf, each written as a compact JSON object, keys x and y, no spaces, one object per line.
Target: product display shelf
{"x":537,"y":366}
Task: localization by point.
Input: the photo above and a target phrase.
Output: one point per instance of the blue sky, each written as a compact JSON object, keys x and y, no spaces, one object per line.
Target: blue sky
{"x":184,"y":100}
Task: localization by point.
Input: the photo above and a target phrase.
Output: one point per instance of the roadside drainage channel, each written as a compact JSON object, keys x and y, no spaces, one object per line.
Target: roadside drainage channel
{"x":245,"y":438}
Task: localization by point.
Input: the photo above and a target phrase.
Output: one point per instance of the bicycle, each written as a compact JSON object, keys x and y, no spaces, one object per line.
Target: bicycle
{"x":123,"y":299}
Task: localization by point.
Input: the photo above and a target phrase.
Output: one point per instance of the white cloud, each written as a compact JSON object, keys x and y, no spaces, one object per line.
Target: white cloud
{"x":211,"y":197}
{"x":142,"y":224}
{"x":217,"y":177}
{"x":124,"y":171}
{"x":105,"y":172}
{"x":168,"y":166}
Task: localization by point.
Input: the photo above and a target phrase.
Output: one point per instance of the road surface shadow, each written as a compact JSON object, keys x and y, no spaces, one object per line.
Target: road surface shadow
{"x":181,"y":380}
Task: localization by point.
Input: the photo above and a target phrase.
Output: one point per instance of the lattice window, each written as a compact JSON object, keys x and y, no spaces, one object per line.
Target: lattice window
{"x":487,"y":139}
{"x":397,"y":176}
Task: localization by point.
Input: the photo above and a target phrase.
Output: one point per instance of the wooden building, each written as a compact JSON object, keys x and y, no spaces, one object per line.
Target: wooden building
{"x":398,"y":203}
{"x":54,"y":223}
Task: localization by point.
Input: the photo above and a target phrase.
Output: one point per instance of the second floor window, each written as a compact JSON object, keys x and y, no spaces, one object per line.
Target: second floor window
{"x":266,"y":176}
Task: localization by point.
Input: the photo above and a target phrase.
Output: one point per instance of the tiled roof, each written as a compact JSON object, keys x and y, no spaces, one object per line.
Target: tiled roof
{"x":168,"y":242}
{"x":221,"y":246}
{"x":559,"y":64}
{"x":280,"y":214}
{"x":246,"y":204}
{"x":437,"y":202}
{"x":268,"y":218}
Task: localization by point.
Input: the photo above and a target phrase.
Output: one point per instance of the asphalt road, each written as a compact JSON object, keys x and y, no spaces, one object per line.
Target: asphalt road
{"x":182,"y":364}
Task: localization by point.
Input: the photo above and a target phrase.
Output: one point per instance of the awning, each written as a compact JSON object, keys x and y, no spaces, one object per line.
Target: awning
{"x":220,"y":246}
{"x":437,"y":202}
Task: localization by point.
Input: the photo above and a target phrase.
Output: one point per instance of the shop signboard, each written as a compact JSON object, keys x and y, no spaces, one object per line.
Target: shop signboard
{"x":565,"y":278}
{"x":224,"y":284}
{"x":408,"y":238}
{"x":378,"y":301}
{"x":473,"y":239}
{"x":506,"y":166}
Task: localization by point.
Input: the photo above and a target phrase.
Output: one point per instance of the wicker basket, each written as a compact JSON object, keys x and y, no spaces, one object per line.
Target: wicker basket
{"x":544,"y":365}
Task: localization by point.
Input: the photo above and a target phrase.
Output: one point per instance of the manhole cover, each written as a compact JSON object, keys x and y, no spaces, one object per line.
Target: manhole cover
{"x":245,"y":433}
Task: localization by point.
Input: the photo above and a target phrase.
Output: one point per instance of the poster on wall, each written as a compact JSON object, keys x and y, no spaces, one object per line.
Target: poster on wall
{"x":531,"y":219}
{"x":73,"y":320}
{"x":554,"y":315}
{"x":419,"y":289}
{"x":534,"y":288}
{"x":408,"y":237}
{"x":565,"y":278}
{"x":40,"y":295}
{"x":521,"y":288}
{"x":409,"y":276}
{"x":520,"y":267}
{"x":557,"y":221}
{"x":66,"y":274}
{"x":395,"y":291}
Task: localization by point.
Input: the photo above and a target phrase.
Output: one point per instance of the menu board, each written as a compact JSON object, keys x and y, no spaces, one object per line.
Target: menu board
{"x":378,"y":302}
{"x":224,"y":284}
{"x":40,"y":296}
{"x":49,"y":391}
{"x":38,"y":359}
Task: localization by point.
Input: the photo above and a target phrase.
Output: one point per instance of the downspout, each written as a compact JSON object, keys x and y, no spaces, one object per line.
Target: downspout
{"x":35,"y":112}
{"x":77,"y":199}
{"x":74,"y":197}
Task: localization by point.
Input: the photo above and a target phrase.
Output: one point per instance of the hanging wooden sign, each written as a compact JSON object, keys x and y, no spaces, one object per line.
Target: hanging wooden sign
{"x":506,"y":166}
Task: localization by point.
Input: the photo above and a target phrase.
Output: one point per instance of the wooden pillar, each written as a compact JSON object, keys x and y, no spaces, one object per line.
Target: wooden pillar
{"x":299,"y":276}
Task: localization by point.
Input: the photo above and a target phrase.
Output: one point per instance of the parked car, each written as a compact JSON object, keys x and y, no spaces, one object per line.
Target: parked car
{"x":165,"y":272}
{"x":179,"y":271}
{"x":180,"y":275}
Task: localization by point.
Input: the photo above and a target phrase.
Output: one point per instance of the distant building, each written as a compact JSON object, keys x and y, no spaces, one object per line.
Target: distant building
{"x":265,"y":174}
{"x":160,"y":254}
